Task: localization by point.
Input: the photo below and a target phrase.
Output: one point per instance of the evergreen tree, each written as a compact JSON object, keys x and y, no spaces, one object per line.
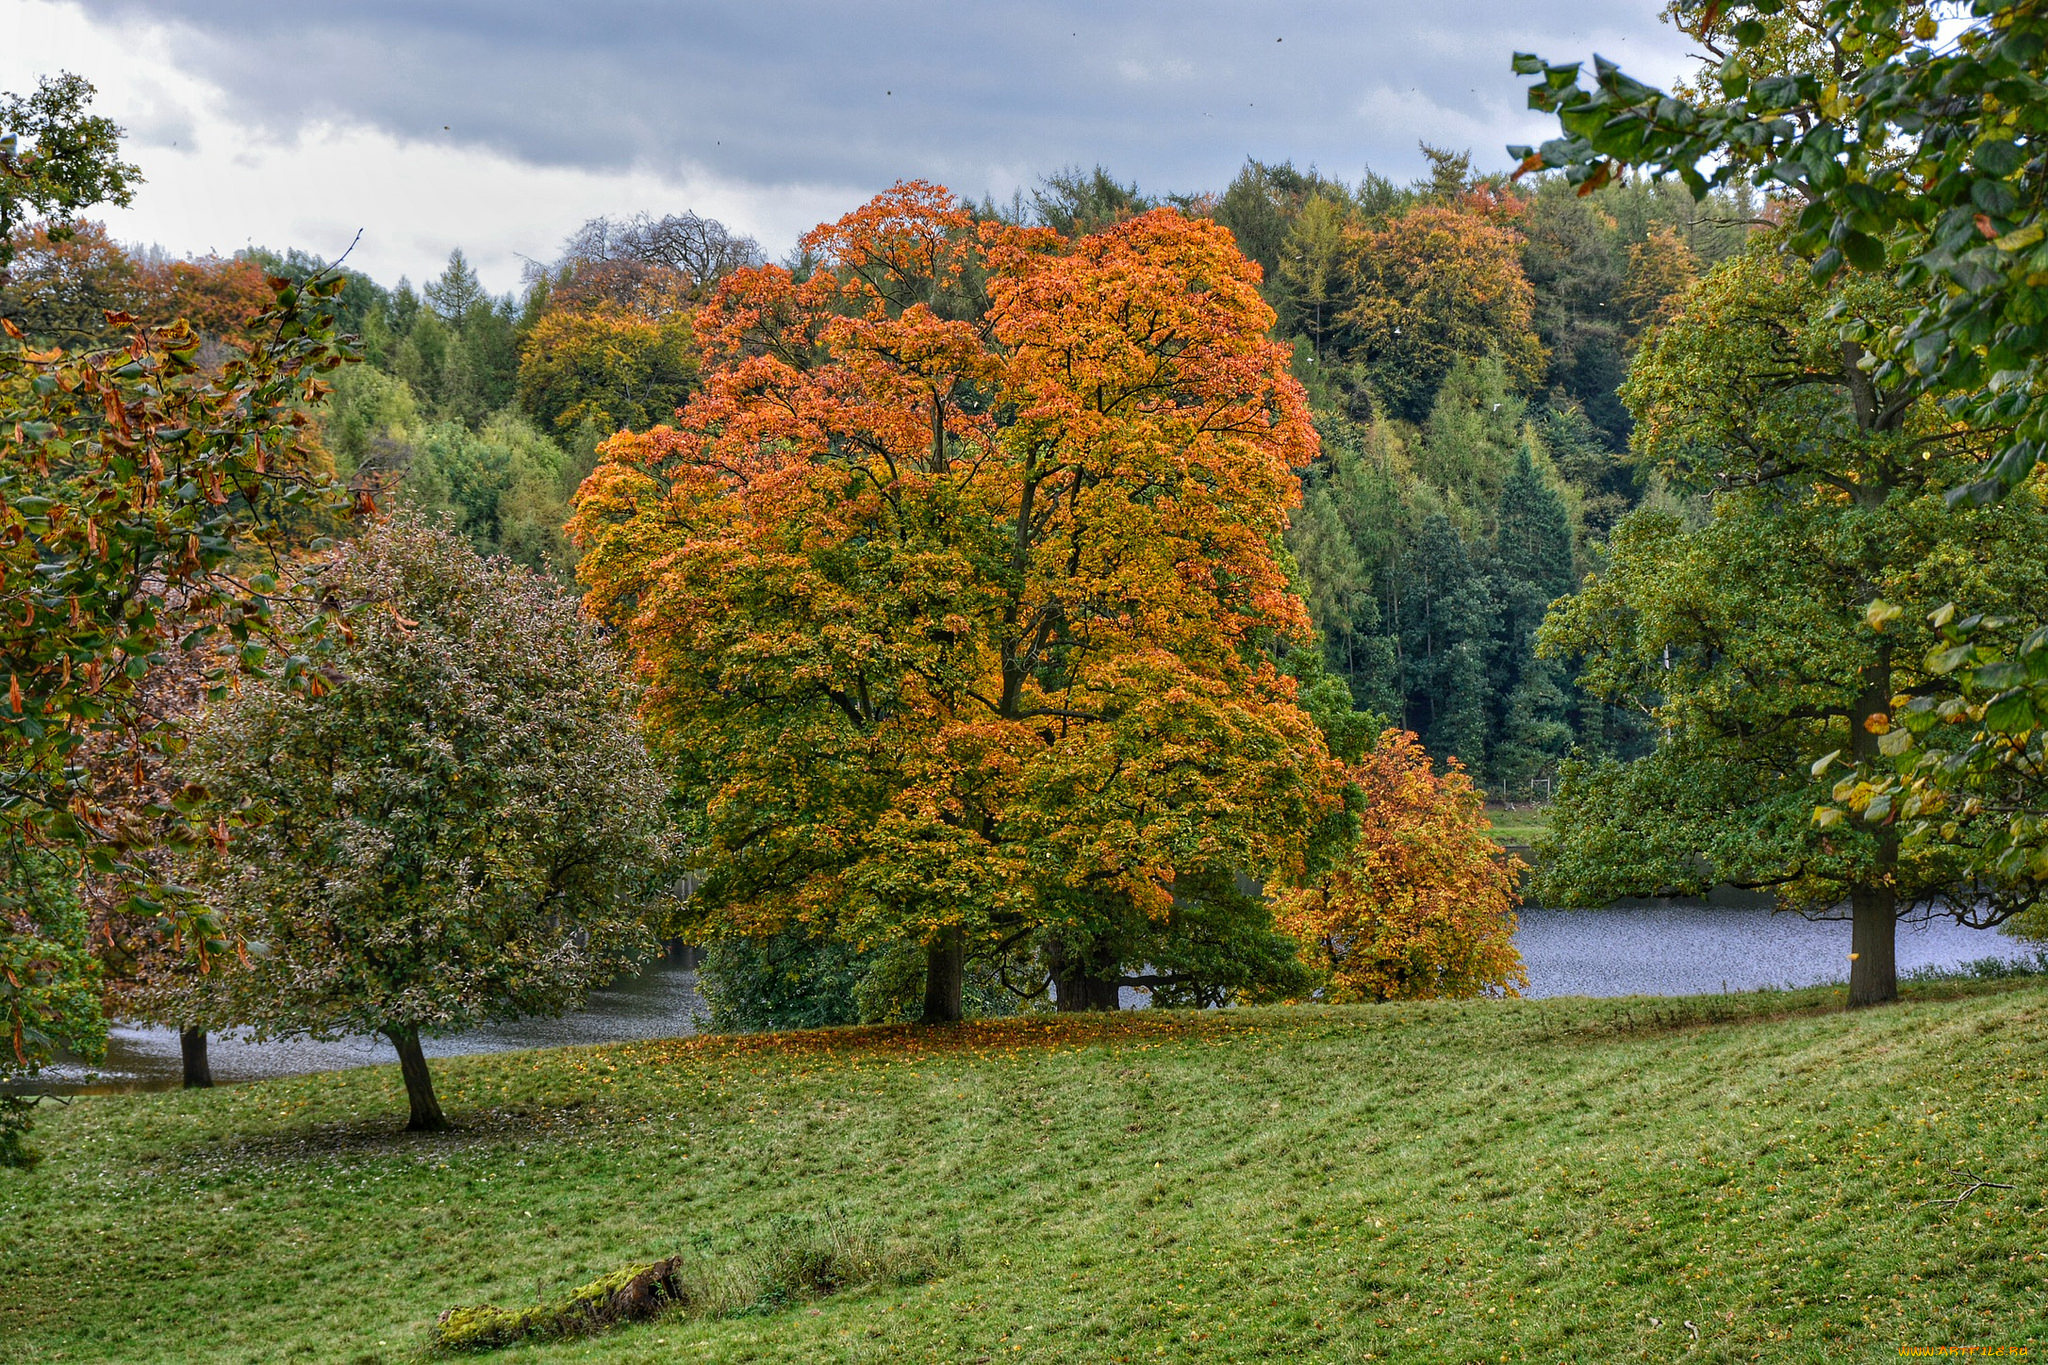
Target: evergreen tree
{"x":458,"y":291}
{"x":1473,"y":432}
{"x":1444,"y":618}
{"x":1532,"y":567}
{"x":421,"y":357}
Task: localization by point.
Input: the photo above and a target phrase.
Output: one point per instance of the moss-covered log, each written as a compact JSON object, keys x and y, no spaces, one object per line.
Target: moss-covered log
{"x":631,"y":1294}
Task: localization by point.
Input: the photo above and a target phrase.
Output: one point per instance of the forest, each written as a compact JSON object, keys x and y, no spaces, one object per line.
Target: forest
{"x":1462,"y":340}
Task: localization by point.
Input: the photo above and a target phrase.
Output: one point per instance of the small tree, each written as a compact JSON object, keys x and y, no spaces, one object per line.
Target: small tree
{"x":1422,"y":907}
{"x":465,"y":827}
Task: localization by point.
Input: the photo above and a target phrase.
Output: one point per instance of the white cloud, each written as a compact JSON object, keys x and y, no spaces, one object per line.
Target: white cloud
{"x":214,"y":183}
{"x":1156,"y":71}
{"x":501,"y":126}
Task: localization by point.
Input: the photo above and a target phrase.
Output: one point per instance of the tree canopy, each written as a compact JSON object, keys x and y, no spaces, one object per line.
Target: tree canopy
{"x":954,"y":589}
{"x":1744,"y":638}
{"x":463,"y":826}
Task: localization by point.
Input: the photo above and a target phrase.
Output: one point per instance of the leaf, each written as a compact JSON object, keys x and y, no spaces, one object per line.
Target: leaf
{"x":1863,"y":251}
{"x":1948,"y":660}
{"x":2011,"y":713}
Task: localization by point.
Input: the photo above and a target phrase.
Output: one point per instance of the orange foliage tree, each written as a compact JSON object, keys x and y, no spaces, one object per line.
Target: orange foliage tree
{"x":218,"y":295}
{"x":1422,"y":905}
{"x":65,"y":278}
{"x":955,"y":590}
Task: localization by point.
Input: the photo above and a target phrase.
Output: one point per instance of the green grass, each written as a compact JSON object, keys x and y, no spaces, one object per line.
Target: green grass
{"x":1519,"y":826}
{"x":1549,"y":1180}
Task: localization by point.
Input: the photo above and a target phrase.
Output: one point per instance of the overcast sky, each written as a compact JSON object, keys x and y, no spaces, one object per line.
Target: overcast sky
{"x":500,"y":125}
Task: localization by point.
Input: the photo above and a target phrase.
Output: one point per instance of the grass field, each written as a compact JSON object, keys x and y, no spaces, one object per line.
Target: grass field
{"x":1716,"y":1179}
{"x":1519,"y":826}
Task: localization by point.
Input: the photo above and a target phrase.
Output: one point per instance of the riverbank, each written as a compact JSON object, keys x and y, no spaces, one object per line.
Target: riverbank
{"x":1670,"y":948}
{"x":1543,"y":1180}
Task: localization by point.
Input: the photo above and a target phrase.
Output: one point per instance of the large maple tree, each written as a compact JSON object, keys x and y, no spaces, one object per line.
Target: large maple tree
{"x":957,"y":589}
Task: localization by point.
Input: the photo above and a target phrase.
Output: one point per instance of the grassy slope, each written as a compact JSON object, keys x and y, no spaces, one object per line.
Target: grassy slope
{"x":1459,"y":1182}
{"x":1518,"y":826}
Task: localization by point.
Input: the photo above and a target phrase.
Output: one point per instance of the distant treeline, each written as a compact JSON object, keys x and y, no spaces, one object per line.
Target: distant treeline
{"x":1462,"y":339}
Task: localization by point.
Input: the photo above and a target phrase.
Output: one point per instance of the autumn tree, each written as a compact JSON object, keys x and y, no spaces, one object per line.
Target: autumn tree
{"x":463,"y":826}
{"x":218,"y":295}
{"x":64,"y":280}
{"x":143,"y":502}
{"x":1421,"y":906}
{"x":954,"y":591}
{"x":1744,"y":639}
{"x":1435,"y":284}
{"x":608,"y":366}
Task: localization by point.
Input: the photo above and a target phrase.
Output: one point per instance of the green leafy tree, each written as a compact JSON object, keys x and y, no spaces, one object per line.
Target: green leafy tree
{"x":504,"y":486}
{"x":56,"y":158}
{"x":1913,"y":150}
{"x":464,"y":827}
{"x":1744,"y":638}
{"x":1962,"y":769}
{"x":1902,"y":148}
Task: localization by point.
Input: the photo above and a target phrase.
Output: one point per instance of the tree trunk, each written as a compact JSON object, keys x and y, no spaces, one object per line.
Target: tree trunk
{"x":1078,"y":983}
{"x":419,"y":1085}
{"x":192,"y":1050}
{"x":944,"y":964}
{"x":1873,"y":946}
{"x":1873,"y":906}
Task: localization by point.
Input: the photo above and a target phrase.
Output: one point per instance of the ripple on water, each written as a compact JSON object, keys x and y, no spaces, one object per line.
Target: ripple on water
{"x":1697,"y":949}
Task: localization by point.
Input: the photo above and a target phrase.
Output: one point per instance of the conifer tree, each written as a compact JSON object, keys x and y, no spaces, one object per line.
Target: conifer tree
{"x":1532,"y":567}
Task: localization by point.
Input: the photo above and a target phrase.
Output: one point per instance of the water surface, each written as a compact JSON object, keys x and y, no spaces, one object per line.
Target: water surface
{"x":660,"y":1002}
{"x":1694,"y":949}
{"x":1662,"y":949}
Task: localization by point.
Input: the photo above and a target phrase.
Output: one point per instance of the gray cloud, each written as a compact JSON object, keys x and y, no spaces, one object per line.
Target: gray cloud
{"x":983,"y":97}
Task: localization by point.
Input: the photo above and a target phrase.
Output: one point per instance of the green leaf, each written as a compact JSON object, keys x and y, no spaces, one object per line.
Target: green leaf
{"x":1950,"y":659}
{"x":2011,"y":713}
{"x":1864,"y":251}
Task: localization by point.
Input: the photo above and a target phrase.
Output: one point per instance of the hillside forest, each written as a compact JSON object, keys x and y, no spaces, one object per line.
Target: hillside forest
{"x":1462,"y":340}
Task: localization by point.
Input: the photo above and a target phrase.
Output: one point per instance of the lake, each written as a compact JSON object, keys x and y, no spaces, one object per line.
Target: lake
{"x":1682,"y":949}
